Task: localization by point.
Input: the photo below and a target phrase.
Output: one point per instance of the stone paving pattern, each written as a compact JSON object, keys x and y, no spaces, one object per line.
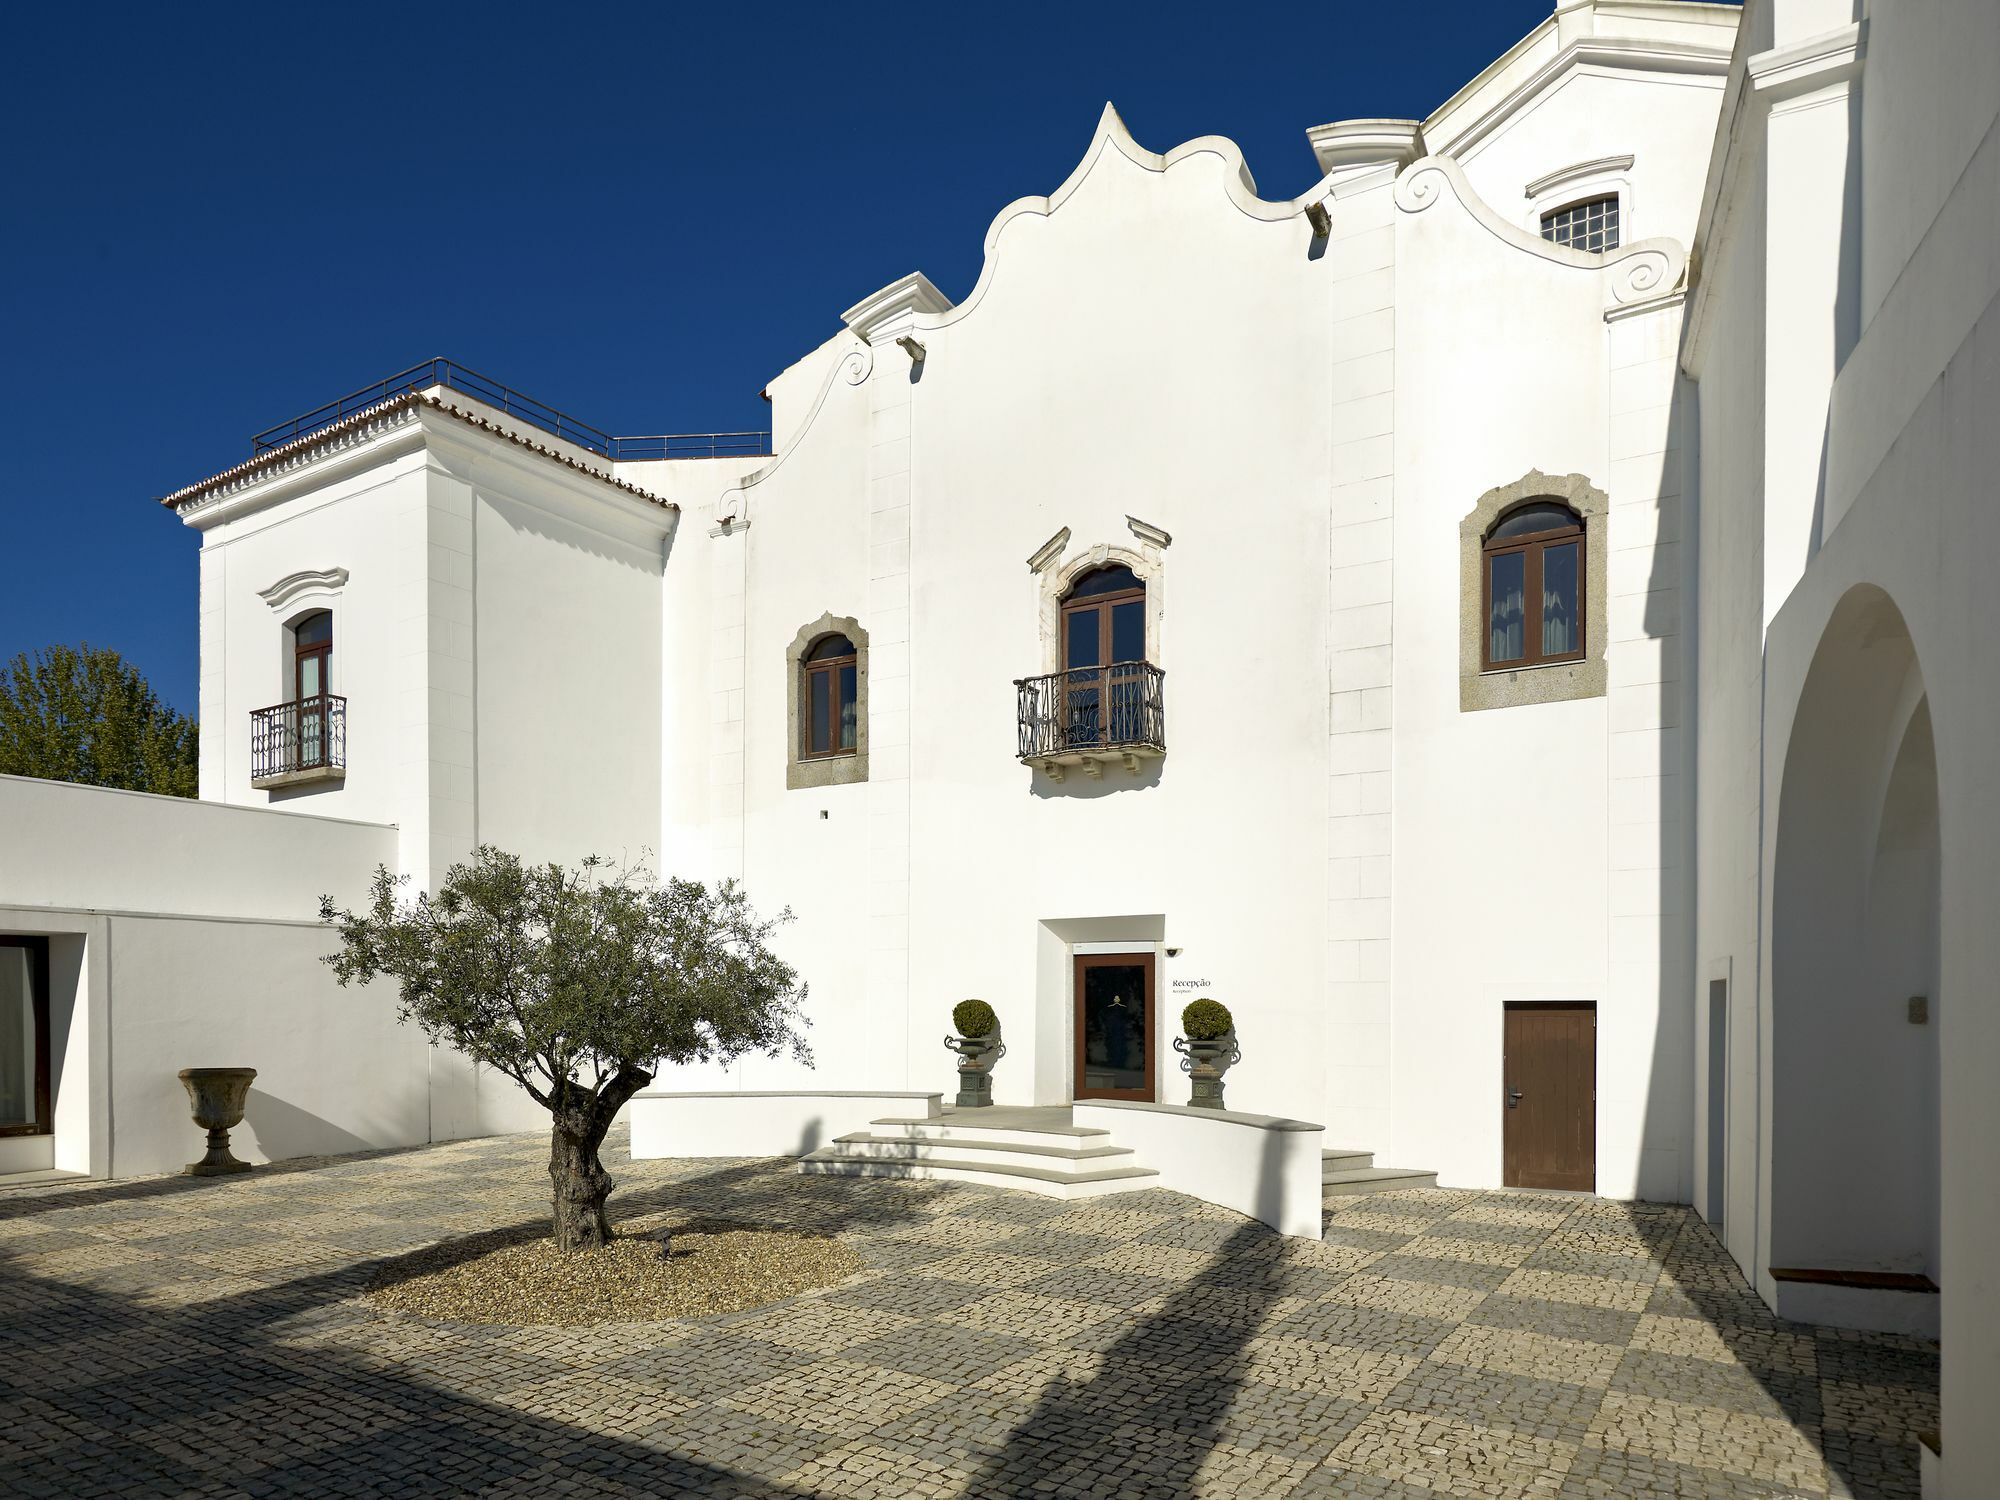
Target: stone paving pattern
{"x":177,"y":1337}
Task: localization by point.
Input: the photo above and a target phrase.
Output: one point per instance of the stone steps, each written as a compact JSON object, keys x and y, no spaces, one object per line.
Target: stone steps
{"x":1349,"y":1174}
{"x":1089,"y":1155}
{"x":1035,"y":1152}
{"x":1333,"y":1162}
{"x":1050,"y":1183}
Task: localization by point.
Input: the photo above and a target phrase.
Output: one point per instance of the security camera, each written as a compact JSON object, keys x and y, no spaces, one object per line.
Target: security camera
{"x":1173,"y":953}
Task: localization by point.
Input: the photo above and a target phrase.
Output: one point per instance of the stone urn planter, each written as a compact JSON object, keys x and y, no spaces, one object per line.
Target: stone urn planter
{"x":1207,"y":1049}
{"x":217,"y":1096}
{"x":979,"y":1047}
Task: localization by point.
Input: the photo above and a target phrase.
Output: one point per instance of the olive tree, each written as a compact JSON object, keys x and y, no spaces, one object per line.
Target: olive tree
{"x":576,"y":984}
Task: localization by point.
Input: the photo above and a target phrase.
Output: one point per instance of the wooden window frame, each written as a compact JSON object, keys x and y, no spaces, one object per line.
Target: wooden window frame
{"x":1104,"y":602}
{"x":38,"y":979}
{"x":831,"y":666}
{"x":1533,"y":545}
{"x":1084,"y":961}
{"x":301,"y":654}
{"x":309,"y":710}
{"x":1088,"y":711}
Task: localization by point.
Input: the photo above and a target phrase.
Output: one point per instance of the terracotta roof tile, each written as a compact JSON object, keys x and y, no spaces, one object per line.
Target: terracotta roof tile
{"x":301,"y":449}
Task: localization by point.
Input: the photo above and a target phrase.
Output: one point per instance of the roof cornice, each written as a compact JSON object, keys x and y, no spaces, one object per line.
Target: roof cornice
{"x":893,"y":310}
{"x":363,"y":427}
{"x":1629,"y":53}
{"x":1348,"y":145}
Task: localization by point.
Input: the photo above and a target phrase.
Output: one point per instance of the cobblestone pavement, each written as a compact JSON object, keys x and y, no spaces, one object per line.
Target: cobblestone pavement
{"x":179,"y":1337}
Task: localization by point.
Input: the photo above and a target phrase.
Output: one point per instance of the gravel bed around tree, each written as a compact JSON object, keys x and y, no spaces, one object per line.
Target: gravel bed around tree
{"x":710,"y":1267}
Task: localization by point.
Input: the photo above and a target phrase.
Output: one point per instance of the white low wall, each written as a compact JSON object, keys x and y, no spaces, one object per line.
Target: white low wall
{"x":1266,"y":1167}
{"x":134,"y":999}
{"x":761,"y":1124}
{"x":102,"y":849}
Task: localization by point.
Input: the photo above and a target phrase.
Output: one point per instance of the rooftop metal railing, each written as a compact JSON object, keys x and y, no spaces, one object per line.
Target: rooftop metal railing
{"x":512,"y":403}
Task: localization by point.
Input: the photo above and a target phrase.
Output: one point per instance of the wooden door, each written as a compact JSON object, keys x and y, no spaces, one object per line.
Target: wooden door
{"x":1115,"y":1034}
{"x":1550,"y":1108}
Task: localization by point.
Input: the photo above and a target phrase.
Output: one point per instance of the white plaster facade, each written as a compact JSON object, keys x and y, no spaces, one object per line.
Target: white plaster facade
{"x":1277,"y":414}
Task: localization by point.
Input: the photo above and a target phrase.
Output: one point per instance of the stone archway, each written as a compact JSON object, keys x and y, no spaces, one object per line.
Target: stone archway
{"x":1854,"y":968}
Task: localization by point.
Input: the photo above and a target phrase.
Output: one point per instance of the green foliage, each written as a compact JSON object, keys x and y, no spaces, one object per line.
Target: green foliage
{"x":974,"y":1019}
{"x":71,"y":713}
{"x":1206,"y":1021}
{"x":573,"y":984}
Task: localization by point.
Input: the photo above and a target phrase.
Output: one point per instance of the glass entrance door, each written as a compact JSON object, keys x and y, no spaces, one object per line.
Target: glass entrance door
{"x":1114,"y":1026}
{"x":24,"y":1036}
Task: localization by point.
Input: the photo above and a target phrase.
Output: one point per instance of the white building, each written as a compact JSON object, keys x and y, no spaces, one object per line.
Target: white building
{"x":1506,"y":622}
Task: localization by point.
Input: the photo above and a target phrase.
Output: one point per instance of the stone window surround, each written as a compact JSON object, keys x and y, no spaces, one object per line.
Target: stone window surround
{"x":1055,"y":579}
{"x":826,"y":770}
{"x":1557,"y":682}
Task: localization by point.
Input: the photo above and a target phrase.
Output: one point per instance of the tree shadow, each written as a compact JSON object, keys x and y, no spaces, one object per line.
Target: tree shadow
{"x":42,"y":1197}
{"x":1162,"y":1395}
{"x":1809,"y":1375}
{"x":1165,"y":1391}
{"x":275,"y":1389}
{"x":204,"y":1401}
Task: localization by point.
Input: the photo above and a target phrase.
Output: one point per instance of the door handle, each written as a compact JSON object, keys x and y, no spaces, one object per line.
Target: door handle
{"x":1513,"y":1098}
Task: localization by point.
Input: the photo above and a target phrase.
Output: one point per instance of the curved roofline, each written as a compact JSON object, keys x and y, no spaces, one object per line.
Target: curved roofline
{"x":1239,"y":186}
{"x":1640,"y":270}
{"x":857,"y":363}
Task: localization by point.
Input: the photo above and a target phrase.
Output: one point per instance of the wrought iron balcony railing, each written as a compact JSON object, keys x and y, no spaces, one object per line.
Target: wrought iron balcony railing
{"x":1088,"y":715}
{"x":305,"y":740}
{"x":455,"y":376}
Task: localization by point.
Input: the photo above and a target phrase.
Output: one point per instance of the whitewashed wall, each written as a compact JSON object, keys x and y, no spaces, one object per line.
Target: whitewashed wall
{"x":184,"y":934}
{"x":1308,"y":425}
{"x":1880,"y":444}
{"x":82,"y":846}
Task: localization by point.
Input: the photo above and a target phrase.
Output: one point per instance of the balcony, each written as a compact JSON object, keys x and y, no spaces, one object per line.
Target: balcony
{"x":298,"y":742}
{"x":1091,"y":717}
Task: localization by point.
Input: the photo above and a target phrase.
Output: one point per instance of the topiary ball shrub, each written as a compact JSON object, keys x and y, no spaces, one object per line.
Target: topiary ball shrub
{"x":1206,"y":1020}
{"x":974,"y":1018}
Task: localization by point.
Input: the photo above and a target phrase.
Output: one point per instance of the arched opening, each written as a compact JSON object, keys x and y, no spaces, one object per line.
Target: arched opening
{"x":1854,"y":975}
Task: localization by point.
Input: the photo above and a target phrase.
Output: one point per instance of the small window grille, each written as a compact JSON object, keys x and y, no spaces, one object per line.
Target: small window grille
{"x":1584,"y":226}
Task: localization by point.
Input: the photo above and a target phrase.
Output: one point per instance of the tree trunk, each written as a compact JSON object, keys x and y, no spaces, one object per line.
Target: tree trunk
{"x":581,"y":1184}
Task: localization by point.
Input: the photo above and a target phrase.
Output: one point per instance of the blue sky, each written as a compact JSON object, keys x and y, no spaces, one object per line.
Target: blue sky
{"x":217,"y":217}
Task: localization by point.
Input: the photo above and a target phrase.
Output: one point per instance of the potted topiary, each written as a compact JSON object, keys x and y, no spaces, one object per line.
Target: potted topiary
{"x":1209,"y":1046}
{"x":978,"y":1046}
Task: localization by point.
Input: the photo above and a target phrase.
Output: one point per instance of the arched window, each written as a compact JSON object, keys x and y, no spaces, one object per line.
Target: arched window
{"x":312,"y":656}
{"x":1590,"y":225}
{"x":312,"y":682}
{"x":1104,"y":618}
{"x":828,"y":699}
{"x":1532,"y":561}
{"x":1109,"y":696}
